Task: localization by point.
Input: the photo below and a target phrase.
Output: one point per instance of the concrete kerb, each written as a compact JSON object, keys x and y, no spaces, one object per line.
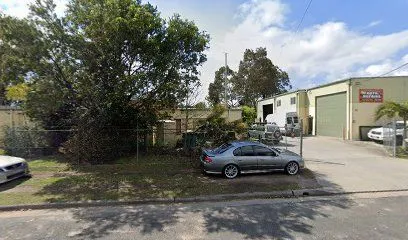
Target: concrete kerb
{"x":210,"y":198}
{"x":330,"y":192}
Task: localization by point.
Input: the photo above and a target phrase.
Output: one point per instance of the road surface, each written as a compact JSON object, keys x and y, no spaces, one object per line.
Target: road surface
{"x":361,"y":216}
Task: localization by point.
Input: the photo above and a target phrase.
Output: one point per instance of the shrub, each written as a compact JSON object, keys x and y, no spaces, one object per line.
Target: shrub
{"x":100,"y":145}
{"x":27,"y":141}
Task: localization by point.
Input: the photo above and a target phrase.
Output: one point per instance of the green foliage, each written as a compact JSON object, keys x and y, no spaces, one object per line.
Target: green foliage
{"x":200,"y":105}
{"x":216,"y":127}
{"x":215,"y":118}
{"x":258,"y":78}
{"x":18,"y":92}
{"x":391,"y":109}
{"x":26,"y":141}
{"x":248,"y":114}
{"x":216,"y":89}
{"x":107,"y":64}
{"x":241,"y":127}
{"x":20,"y":52}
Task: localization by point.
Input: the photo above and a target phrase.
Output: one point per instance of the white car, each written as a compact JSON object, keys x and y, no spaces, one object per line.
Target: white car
{"x":387,"y":132}
{"x":12,"y":168}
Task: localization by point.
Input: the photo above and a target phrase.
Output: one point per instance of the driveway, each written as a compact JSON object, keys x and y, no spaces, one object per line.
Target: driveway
{"x":354,"y":166}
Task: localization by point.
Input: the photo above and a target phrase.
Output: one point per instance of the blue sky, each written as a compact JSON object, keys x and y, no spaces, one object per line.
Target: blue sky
{"x":337,"y":39}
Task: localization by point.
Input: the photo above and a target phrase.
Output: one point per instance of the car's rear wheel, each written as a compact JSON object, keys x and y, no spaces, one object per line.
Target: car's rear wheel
{"x":231,"y":171}
{"x":292,"y":168}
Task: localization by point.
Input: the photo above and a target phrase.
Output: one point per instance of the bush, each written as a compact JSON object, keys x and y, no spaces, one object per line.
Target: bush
{"x":248,"y":114}
{"x":100,"y":145}
{"x":27,"y":141}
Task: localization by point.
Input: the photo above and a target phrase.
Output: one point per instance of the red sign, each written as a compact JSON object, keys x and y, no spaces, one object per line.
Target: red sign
{"x":372,"y":95}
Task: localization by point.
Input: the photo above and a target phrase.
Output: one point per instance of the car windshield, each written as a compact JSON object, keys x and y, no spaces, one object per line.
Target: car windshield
{"x":224,"y":147}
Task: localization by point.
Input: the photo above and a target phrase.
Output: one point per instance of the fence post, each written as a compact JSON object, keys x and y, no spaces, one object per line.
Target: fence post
{"x":137,"y":142}
{"x":394,"y":142}
{"x":301,"y":138}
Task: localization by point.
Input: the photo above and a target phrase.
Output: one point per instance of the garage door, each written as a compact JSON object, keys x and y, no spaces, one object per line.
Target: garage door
{"x":331,"y":115}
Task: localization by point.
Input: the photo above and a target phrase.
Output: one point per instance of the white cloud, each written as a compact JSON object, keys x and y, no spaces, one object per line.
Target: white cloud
{"x":374,"y":23}
{"x":321,"y":53}
{"x":317,"y":54}
{"x":20,"y":9}
{"x":385,"y":66}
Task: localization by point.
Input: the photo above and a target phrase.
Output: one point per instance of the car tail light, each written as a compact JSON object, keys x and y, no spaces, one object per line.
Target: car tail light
{"x":208,"y":159}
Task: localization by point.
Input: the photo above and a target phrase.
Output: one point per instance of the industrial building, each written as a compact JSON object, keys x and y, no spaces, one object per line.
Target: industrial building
{"x":343,"y":109}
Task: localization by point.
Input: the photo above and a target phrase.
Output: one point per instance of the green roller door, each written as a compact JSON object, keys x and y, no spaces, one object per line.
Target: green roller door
{"x":331,"y":115}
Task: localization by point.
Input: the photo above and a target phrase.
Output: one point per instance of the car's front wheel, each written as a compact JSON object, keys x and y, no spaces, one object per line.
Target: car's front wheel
{"x":292,"y":168}
{"x":231,"y":171}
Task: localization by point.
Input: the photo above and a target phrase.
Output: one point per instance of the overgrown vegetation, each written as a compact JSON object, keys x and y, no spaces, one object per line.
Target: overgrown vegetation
{"x":26,"y":141}
{"x":105,"y":65}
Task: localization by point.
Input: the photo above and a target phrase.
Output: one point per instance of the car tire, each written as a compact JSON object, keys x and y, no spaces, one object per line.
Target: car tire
{"x":292,"y":168}
{"x":230,"y":171}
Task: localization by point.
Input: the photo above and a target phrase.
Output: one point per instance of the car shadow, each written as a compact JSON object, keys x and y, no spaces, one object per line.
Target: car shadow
{"x":13,"y":183}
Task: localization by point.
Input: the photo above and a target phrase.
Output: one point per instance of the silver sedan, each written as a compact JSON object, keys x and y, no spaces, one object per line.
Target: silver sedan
{"x":231,"y":159}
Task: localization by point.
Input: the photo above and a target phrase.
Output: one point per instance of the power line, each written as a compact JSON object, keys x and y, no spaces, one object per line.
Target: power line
{"x":298,"y":26}
{"x":303,"y":17}
{"x":393,"y":70}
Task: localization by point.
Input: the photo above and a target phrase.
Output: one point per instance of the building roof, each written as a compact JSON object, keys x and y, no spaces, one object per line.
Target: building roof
{"x":331,"y":83}
{"x":283,"y":94}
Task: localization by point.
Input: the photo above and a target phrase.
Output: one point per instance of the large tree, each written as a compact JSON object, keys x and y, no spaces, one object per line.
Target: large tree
{"x":218,"y":90}
{"x":110,"y":64}
{"x":20,"y":52}
{"x":258,"y":78}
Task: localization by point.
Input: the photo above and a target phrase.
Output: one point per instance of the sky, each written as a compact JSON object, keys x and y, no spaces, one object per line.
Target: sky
{"x":337,"y":39}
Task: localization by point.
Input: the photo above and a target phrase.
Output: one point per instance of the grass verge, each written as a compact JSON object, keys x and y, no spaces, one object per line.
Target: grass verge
{"x":164,"y":176}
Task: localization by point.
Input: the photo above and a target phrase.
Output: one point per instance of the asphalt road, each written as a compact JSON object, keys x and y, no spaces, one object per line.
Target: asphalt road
{"x":364,"y":216}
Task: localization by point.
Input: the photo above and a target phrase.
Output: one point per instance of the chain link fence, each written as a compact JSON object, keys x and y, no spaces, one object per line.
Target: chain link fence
{"x":283,"y":137}
{"x":31,"y":142}
{"x":394,"y":138}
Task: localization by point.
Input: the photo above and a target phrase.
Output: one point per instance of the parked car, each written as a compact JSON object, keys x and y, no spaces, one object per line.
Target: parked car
{"x":232,"y":159}
{"x":266,"y":132}
{"x":12,"y":168}
{"x":386,"y":133}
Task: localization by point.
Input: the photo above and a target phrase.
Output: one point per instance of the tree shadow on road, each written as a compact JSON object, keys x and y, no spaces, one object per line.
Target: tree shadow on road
{"x":254,"y":219}
{"x":104,"y":222}
{"x":272,"y":220}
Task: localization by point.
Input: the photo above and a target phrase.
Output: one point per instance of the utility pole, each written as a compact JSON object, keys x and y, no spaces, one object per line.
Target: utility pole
{"x":225,"y":79}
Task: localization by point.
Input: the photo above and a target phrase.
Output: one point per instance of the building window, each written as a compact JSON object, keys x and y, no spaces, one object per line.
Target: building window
{"x":278,"y":103}
{"x":178,"y":126}
{"x":293,"y":100}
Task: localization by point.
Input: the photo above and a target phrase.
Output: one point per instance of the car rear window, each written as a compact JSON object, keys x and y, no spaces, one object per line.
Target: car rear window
{"x":224,"y":147}
{"x":247,"y":151}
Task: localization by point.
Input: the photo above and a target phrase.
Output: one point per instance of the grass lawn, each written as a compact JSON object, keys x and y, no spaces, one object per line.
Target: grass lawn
{"x":164,"y":176}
